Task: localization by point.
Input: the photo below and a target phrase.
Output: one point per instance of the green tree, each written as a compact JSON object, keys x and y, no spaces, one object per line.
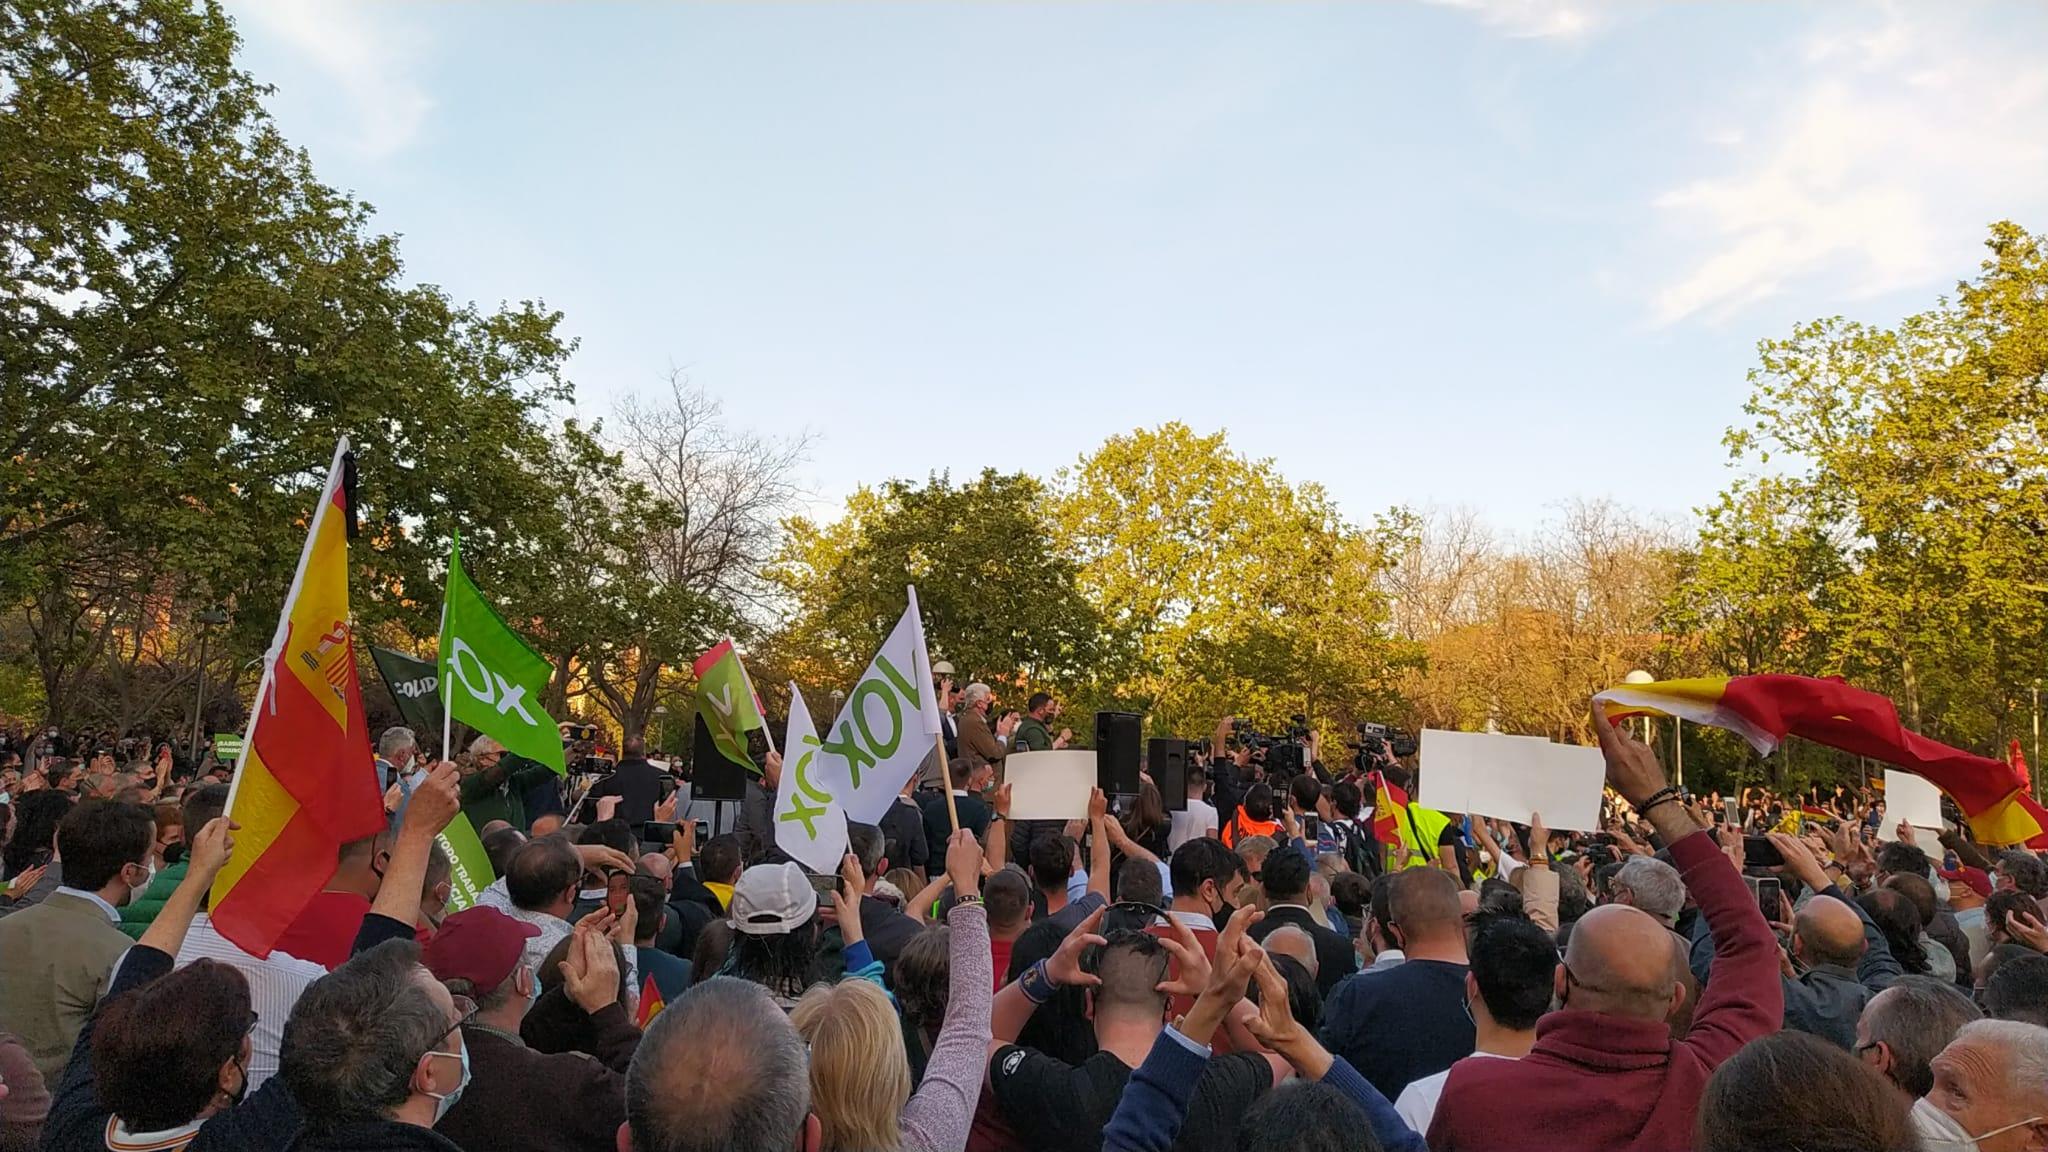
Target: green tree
{"x":1236,"y":591}
{"x":1901,"y":543}
{"x":997,"y":592}
{"x":191,"y":320}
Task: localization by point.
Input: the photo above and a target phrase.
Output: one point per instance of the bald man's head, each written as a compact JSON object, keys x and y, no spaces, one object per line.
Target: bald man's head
{"x":1828,"y":931}
{"x":1622,"y":962}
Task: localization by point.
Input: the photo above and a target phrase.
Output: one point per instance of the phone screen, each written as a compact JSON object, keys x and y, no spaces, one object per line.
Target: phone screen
{"x":1767,"y":892}
{"x":1731,"y":811}
{"x":826,"y":885}
{"x":618,"y":890}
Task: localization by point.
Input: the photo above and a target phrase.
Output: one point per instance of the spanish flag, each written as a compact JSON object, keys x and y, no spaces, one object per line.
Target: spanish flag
{"x":650,"y":1004}
{"x":306,"y":782}
{"x":1387,"y":799}
{"x":1764,"y":710}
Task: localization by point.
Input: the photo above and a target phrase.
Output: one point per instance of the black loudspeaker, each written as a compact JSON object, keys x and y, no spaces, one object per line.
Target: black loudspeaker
{"x":713,"y":775}
{"x":1117,"y":736}
{"x":1167,"y":761}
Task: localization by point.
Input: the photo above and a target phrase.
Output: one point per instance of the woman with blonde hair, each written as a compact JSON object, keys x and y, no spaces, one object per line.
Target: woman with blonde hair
{"x":860,"y":1073}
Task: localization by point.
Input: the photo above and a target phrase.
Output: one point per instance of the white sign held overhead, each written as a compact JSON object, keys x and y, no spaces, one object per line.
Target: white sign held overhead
{"x":1049,"y":785}
{"x":1509,"y":777}
{"x":1912,"y":799}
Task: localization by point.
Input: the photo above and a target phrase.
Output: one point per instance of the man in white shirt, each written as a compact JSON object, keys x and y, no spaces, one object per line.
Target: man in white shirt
{"x":1199,"y":819}
{"x":1513,"y":966}
{"x":276,"y":982}
{"x":541,"y":885}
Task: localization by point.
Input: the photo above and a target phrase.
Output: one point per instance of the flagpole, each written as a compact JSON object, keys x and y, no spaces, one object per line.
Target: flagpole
{"x":441,"y":657}
{"x":946,"y":780}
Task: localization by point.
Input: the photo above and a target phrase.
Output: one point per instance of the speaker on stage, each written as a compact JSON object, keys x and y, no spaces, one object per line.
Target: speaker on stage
{"x":1117,"y":736}
{"x":713,"y":775}
{"x":1167,"y":761}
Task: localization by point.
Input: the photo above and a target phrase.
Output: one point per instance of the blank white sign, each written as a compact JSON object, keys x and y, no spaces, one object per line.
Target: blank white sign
{"x":1509,"y":777}
{"x":1049,"y":785}
{"x":1912,"y":799}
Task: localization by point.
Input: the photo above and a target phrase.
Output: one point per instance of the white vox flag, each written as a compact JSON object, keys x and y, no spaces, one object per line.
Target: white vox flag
{"x":886,"y":726}
{"x":809,"y":823}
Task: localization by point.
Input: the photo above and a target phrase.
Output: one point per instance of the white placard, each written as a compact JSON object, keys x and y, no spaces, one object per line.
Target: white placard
{"x":1049,"y":785}
{"x":1509,"y":777}
{"x":1912,"y":799}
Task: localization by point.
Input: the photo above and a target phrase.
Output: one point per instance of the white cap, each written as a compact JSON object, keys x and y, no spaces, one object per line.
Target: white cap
{"x":772,"y":899}
{"x":943,"y":668}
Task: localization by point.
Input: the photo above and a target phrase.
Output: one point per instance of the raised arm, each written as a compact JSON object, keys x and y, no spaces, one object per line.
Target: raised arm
{"x":938,"y":1115}
{"x":1022,"y":996}
{"x":1745,"y":1000}
{"x":434,"y":803}
{"x":1098,"y":845}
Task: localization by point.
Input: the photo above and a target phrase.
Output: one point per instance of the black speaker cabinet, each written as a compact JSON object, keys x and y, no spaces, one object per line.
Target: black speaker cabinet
{"x":1117,"y":737}
{"x":713,"y":775}
{"x":1167,"y":761}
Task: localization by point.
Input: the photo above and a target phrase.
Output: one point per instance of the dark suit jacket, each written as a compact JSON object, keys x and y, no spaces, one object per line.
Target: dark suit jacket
{"x":938,"y":826}
{"x":520,"y":1099}
{"x":886,"y":929}
{"x":1335,"y":958}
{"x":637,"y":784}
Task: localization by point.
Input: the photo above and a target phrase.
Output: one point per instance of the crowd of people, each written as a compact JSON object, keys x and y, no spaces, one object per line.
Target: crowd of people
{"x":1264,"y":963}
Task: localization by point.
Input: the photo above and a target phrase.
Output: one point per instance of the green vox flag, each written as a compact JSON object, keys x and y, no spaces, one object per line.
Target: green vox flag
{"x":726,"y":706}
{"x":490,"y":679}
{"x":469,"y":871}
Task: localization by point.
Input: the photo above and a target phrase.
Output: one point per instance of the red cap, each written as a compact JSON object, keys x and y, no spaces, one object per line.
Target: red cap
{"x":481,"y":945}
{"x":1976,"y":879}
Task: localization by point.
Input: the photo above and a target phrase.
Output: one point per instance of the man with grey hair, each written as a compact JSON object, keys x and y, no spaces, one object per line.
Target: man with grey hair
{"x":977,"y":743}
{"x":396,"y":750}
{"x":720,"y":1069}
{"x":1990,"y":1090}
{"x":374,"y":1054}
{"x":1905,"y":1026}
{"x":1650,"y":884}
{"x":494,"y":784}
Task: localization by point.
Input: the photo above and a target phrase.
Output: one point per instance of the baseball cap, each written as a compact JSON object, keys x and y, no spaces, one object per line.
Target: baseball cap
{"x":481,"y":945}
{"x":943,"y":668}
{"x":1976,"y":879}
{"x":771,"y":899}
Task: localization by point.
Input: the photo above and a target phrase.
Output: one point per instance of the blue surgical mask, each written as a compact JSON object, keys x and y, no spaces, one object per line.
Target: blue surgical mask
{"x":444,"y":1101}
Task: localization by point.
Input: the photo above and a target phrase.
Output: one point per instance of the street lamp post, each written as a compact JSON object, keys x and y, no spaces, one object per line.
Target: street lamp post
{"x":660,"y":724}
{"x":1678,"y":755}
{"x":207,"y":620}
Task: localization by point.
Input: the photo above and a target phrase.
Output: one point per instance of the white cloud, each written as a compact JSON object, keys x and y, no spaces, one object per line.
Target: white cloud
{"x":354,"y":48}
{"x":1533,"y":19}
{"x":1873,"y":163}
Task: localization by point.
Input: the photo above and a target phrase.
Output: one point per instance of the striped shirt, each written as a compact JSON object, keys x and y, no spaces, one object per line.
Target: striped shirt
{"x":275,"y":984}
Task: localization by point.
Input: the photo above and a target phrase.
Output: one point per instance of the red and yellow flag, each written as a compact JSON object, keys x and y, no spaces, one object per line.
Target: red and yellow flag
{"x":1992,"y":794}
{"x":650,"y":1004}
{"x":306,"y":783}
{"x":1387,"y":799}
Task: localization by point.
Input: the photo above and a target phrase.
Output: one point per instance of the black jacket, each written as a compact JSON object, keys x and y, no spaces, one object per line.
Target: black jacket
{"x":904,"y":841}
{"x":886,"y":929}
{"x":1335,"y":958}
{"x":520,"y":1100}
{"x":637,"y":784}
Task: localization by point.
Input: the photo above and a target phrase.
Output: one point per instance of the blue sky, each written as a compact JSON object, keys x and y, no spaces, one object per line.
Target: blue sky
{"x":1480,"y":253}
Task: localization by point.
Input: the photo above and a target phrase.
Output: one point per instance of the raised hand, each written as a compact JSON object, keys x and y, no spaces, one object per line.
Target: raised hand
{"x":23,"y":883}
{"x":1632,"y":768}
{"x":590,"y":973}
{"x":435,"y":802}
{"x":963,"y":863}
{"x":1064,"y":968}
{"x":1190,"y":975}
{"x":211,"y":849}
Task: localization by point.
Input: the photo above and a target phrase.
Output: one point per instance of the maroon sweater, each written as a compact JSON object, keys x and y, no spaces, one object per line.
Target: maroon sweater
{"x":1599,"y":1083}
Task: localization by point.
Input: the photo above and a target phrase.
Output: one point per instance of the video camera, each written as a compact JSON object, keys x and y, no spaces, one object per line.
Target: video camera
{"x":1379,"y":744}
{"x":578,"y":748}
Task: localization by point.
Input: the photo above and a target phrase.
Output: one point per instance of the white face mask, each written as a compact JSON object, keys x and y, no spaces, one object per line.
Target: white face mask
{"x":1941,"y":1132}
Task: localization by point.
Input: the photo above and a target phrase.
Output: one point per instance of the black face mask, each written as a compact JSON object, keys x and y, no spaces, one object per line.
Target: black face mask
{"x":242,"y":1089}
